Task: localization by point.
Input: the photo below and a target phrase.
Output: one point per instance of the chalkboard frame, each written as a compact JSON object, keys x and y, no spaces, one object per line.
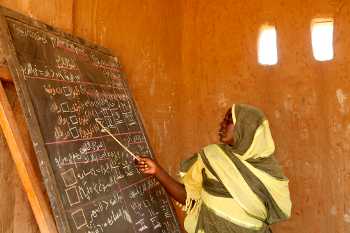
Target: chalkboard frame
{"x":8,"y":50}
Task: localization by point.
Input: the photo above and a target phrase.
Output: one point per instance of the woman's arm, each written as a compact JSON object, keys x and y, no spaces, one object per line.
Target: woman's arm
{"x":174,"y":188}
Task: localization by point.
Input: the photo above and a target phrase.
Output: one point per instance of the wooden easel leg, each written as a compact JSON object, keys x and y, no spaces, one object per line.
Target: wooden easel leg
{"x":27,"y":174}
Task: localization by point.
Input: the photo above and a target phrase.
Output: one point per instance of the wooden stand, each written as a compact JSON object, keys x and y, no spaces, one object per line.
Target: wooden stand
{"x":24,"y":162}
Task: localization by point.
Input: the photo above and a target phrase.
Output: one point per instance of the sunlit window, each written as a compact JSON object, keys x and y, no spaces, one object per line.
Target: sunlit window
{"x":267,"y":46}
{"x":322,"y":39}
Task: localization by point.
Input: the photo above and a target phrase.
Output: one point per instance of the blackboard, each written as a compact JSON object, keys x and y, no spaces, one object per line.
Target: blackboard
{"x":64,"y":83}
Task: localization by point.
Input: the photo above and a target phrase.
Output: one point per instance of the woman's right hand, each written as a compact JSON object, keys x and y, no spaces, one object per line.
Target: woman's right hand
{"x":151,"y":167}
{"x":147,"y":165}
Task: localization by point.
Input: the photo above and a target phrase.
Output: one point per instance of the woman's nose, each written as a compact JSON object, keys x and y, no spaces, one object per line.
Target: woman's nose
{"x":223,"y":126}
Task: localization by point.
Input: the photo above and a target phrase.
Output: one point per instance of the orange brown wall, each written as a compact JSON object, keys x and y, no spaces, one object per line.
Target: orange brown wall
{"x":307,"y":102}
{"x":187,"y":62}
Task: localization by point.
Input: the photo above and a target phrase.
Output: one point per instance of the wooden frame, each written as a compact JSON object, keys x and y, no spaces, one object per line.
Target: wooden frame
{"x":9,"y":55}
{"x":25,"y":168}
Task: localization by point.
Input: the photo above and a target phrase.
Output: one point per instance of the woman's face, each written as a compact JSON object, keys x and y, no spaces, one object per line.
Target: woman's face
{"x":226,"y":131}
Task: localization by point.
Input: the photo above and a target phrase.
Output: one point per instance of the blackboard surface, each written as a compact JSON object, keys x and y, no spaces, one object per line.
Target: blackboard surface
{"x":64,"y":84}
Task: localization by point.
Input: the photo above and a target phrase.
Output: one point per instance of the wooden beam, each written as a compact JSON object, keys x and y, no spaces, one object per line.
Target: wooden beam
{"x":25,"y":169}
{"x":5,"y":74}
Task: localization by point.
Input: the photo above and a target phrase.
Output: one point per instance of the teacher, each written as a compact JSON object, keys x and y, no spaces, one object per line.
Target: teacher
{"x":236,"y":186}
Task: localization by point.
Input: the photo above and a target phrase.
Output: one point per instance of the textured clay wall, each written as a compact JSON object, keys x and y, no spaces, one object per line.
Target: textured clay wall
{"x":307,"y":102}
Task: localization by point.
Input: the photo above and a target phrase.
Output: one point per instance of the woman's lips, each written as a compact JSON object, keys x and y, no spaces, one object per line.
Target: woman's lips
{"x":222,"y":134}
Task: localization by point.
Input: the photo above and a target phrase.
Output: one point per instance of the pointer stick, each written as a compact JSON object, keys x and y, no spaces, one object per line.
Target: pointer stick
{"x":124,"y":147}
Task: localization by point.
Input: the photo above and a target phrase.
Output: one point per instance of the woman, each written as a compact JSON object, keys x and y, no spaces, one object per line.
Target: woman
{"x":235,"y":186}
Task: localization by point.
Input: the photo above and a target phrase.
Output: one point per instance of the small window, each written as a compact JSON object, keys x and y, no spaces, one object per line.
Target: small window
{"x":267,"y":45}
{"x":322,"y":39}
